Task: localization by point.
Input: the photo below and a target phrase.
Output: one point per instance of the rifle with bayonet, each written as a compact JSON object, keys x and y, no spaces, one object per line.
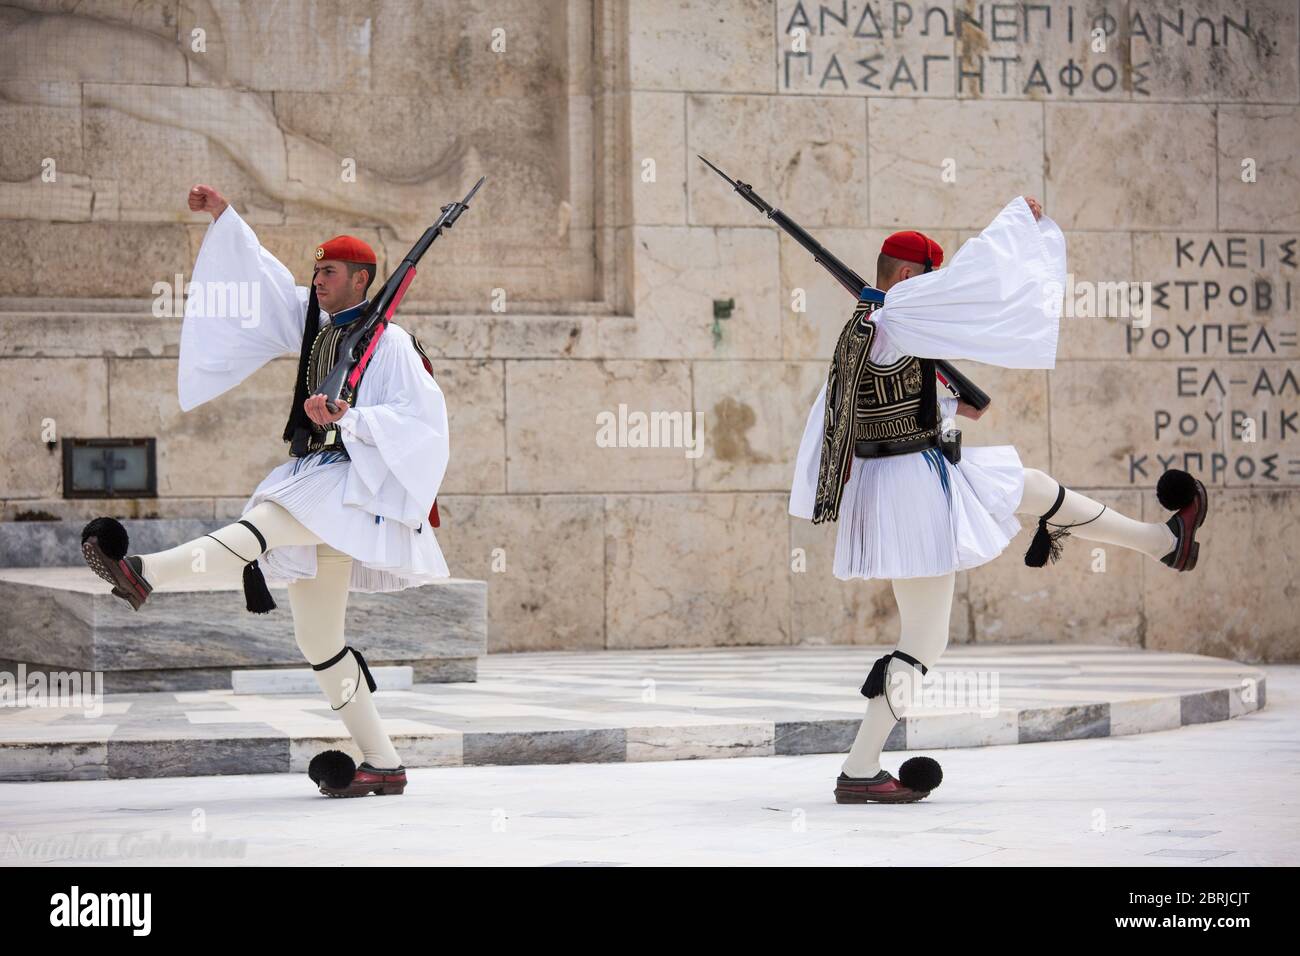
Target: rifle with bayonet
{"x":965,"y":389}
{"x":355,"y":350}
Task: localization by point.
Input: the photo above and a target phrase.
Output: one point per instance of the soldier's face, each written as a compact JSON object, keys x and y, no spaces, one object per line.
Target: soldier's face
{"x":335,"y":289}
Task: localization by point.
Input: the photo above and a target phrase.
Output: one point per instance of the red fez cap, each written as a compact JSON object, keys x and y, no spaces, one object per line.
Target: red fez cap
{"x":346,"y":249}
{"x":913,"y":246}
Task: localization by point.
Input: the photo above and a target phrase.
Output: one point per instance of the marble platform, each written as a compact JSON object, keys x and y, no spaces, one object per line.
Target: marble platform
{"x":57,"y":543}
{"x":302,"y":680}
{"x":615,"y":706}
{"x":65,"y":618}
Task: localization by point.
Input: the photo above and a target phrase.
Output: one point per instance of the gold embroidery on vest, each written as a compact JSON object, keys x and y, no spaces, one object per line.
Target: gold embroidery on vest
{"x":891,"y":406}
{"x":844,"y":382}
{"x":324,"y":356}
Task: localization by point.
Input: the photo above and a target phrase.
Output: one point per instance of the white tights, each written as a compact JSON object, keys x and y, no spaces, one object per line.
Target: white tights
{"x":1149,"y":537}
{"x":925,"y":605}
{"x":319,"y":605}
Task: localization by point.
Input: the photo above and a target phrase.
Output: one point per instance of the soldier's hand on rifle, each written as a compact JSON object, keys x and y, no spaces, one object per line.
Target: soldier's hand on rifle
{"x":206,"y":199}
{"x":1034,"y":207}
{"x":319,"y":413}
{"x":970,"y":411}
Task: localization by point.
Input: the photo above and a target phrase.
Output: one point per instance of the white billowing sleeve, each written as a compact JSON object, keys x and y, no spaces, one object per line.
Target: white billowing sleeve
{"x":242,"y":310}
{"x":396,"y":434}
{"x":803,"y":491}
{"x":998,"y":301}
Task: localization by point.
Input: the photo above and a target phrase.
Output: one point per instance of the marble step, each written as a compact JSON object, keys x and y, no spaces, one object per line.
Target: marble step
{"x":649,"y":705}
{"x":192,"y":638}
{"x":302,"y":680}
{"x":57,"y":544}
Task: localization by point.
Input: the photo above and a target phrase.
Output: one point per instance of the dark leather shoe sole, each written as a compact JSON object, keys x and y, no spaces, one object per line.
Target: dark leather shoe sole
{"x":385,"y":785}
{"x":127,"y":585}
{"x":379,"y":789}
{"x":846,"y":796}
{"x":860,"y":794}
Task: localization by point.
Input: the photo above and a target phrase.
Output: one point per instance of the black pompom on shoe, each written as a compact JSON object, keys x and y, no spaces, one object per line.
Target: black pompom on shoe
{"x":332,"y":768}
{"x":103,"y":546}
{"x":1176,"y":490}
{"x":920,"y":773}
{"x":110,"y":533}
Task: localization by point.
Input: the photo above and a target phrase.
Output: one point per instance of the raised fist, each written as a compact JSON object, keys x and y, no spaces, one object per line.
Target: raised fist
{"x":206,"y":199}
{"x":1034,"y":207}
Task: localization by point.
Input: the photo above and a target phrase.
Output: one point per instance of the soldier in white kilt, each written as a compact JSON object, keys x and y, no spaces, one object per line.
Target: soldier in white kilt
{"x":914,"y":507}
{"x":352,"y":508}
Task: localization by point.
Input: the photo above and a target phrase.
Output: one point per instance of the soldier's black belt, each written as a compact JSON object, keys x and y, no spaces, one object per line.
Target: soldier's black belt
{"x":307,"y":443}
{"x":883,"y":449}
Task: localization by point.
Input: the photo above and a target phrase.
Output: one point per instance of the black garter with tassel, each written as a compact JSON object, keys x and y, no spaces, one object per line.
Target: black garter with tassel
{"x":1047,"y":544}
{"x":875,"y":682}
{"x":874,"y":685}
{"x":257,"y":596}
{"x":363,"y":667}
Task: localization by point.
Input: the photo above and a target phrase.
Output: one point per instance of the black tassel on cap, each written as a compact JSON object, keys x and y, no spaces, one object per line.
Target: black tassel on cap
{"x":1046,"y":544}
{"x":257,"y":596}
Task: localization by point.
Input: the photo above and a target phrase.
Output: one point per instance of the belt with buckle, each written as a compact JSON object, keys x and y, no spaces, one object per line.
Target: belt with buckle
{"x":882,"y":449}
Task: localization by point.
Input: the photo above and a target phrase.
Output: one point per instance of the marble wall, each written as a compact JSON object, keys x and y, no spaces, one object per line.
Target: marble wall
{"x":1163,"y":136}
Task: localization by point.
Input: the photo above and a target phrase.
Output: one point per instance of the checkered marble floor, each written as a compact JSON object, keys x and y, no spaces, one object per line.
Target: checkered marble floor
{"x":634,"y":706}
{"x":1206,"y":795}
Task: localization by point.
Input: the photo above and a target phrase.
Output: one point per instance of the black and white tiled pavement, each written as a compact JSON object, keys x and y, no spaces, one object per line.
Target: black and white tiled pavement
{"x":615,"y":706}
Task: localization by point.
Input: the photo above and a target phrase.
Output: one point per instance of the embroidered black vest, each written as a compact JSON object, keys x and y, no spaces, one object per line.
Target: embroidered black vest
{"x":871,"y":410}
{"x":896,"y":410}
{"x":321,"y":361}
{"x":848,"y":364}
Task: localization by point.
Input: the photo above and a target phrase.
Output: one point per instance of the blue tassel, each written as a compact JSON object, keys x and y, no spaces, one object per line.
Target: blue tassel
{"x":934,"y":458}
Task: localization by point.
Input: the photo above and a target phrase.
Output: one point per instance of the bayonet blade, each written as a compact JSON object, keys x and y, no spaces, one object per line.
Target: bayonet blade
{"x":745,"y":189}
{"x":465,"y":201}
{"x":719,"y":172}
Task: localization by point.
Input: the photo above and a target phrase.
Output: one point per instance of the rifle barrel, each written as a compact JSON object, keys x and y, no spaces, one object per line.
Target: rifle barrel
{"x":383,"y":300}
{"x":842,"y":273}
{"x":967,"y":390}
